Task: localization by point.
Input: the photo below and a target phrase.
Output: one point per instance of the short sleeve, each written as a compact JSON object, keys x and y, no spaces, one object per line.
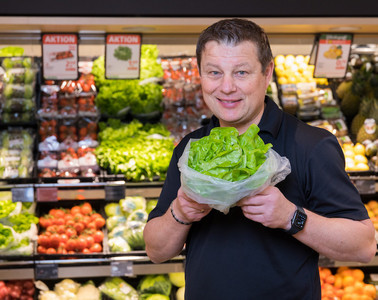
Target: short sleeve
{"x":329,"y":190}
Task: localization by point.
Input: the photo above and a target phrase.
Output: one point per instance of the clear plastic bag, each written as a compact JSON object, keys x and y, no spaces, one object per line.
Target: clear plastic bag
{"x":222,"y":194}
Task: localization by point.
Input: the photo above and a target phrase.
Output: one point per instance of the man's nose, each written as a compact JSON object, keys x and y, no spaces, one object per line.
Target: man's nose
{"x":228,"y":84}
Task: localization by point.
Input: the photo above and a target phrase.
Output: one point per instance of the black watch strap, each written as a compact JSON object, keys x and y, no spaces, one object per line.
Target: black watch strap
{"x":298,"y":221}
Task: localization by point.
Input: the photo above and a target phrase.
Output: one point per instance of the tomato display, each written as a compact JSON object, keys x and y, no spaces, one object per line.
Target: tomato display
{"x":71,"y":230}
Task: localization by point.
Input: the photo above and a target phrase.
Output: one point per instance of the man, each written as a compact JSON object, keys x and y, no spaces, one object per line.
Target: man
{"x":267,"y":247}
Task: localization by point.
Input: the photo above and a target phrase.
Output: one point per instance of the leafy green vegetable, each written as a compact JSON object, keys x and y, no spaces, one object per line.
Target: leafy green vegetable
{"x":118,"y":289}
{"x":22,"y":222}
{"x":6,"y":207}
{"x":6,"y":236}
{"x":155,"y":284}
{"x":123,"y":53}
{"x":112,"y":209}
{"x":114,"y":96}
{"x":227,"y":155}
{"x":138,"y":151}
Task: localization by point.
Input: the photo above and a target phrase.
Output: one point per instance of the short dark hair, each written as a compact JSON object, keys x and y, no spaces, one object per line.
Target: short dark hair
{"x":234,"y":31}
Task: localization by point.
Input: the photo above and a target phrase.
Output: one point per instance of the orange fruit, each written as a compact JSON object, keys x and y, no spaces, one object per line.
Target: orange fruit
{"x":366,"y":297}
{"x":370,"y":290}
{"x":359,"y":287}
{"x":349,"y":290}
{"x":348,"y":280}
{"x":330,"y":279}
{"x":358,"y":274}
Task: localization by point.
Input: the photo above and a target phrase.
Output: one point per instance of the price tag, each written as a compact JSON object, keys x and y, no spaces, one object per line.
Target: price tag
{"x":46,"y":271}
{"x":365,"y":187}
{"x":23,"y":194}
{"x":332,"y":55}
{"x":121,"y":268}
{"x":115,"y":192}
{"x":60,"y":56}
{"x":48,"y":194}
{"x":122,"y":56}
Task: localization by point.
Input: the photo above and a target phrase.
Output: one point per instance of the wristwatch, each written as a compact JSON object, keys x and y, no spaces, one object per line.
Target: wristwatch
{"x":298,"y":221}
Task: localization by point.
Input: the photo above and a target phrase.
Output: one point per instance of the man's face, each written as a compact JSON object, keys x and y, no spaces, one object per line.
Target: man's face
{"x":233,"y":84}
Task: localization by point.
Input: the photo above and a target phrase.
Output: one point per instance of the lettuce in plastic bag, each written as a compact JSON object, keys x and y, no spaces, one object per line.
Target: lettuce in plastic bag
{"x":224,"y":167}
{"x":227,"y":155}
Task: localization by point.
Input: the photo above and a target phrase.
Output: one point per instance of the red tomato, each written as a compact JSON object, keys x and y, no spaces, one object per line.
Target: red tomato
{"x":71,"y":245}
{"x":90,"y":240}
{"x":44,"y":240}
{"x":55,"y":240}
{"x":50,"y":251}
{"x":70,"y":231}
{"x":100,"y":222}
{"x":86,"y":251}
{"x":70,"y":223}
{"x":96,"y":247}
{"x":61,"y":229}
{"x":52,"y":228}
{"x":98,"y":236}
{"x":86,"y":220}
{"x":45,"y":221}
{"x":86,"y":208}
{"x":95,"y":216}
{"x":41,"y":249}
{"x":92,"y":225}
{"x":63,"y":238}
{"x":81,"y":243}
{"x":68,"y":217}
{"x":79,"y":227}
{"x":75,"y":209}
{"x":59,"y":221}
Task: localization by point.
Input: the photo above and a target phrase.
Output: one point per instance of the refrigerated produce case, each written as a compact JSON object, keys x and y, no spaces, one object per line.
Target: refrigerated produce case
{"x":175,"y":38}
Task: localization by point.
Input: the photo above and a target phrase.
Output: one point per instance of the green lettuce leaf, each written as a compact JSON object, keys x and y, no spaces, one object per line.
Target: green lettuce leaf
{"x":227,"y":155}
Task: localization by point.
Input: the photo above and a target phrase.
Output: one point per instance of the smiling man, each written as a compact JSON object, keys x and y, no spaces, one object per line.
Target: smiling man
{"x":266,"y":247}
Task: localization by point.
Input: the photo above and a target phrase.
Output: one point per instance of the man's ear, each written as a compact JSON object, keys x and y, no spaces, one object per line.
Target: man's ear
{"x":269,"y":73}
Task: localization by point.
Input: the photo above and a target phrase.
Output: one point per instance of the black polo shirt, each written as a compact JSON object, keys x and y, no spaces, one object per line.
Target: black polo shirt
{"x":231,"y":257}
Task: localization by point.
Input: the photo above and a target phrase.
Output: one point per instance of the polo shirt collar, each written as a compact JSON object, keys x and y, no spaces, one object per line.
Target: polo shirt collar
{"x":270,"y":120}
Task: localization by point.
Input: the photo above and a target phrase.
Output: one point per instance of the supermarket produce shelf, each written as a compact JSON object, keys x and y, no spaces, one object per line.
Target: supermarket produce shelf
{"x":125,"y":265}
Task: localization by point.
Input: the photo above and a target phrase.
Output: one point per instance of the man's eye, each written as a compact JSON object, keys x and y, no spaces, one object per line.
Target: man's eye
{"x":214,"y":73}
{"x":242,"y":73}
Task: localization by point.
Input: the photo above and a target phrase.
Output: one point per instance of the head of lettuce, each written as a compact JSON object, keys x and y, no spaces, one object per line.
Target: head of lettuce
{"x":223,"y":167}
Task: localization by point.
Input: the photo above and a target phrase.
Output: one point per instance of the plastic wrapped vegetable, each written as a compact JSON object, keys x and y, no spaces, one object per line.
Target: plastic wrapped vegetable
{"x":118,"y":244}
{"x":155,"y":284}
{"x":224,"y":167}
{"x":134,"y":235}
{"x":113,"y":209}
{"x":114,"y":221}
{"x":88,"y":291}
{"x":130,"y":204}
{"x":118,"y":289}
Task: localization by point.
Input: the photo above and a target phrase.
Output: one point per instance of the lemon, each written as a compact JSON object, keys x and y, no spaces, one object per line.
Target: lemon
{"x":280,"y":70}
{"x":279,"y":60}
{"x":359,"y":149}
{"x":349,"y":164}
{"x":358,"y":158}
{"x":302,"y":67}
{"x":348,"y":146}
{"x":282,"y":80}
{"x":362,"y":167}
{"x":299,"y":59}
{"x":307,"y":59}
{"x":349,"y":153}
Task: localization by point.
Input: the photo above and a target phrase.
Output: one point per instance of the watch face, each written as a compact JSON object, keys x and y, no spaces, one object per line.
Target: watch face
{"x":300,"y":219}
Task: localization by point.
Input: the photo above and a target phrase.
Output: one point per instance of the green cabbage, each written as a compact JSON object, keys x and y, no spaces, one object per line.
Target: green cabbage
{"x":227,"y":155}
{"x":155,"y":284}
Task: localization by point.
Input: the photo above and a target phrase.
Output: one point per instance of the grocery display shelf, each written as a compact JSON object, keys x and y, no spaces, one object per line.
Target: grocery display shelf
{"x":131,"y":264}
